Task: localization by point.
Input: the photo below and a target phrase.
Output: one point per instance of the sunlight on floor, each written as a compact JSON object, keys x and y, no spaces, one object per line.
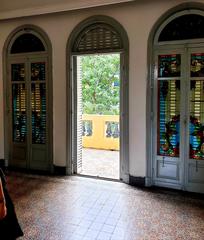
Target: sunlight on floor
{"x":101,"y":163}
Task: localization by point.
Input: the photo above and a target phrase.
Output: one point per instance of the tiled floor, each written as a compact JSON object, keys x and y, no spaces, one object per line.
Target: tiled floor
{"x":100,"y":163}
{"x":78,"y":208}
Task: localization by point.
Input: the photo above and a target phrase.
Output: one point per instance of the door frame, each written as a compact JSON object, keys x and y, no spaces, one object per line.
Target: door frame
{"x":124,"y":103}
{"x":154,"y":45}
{"x":7,"y":58}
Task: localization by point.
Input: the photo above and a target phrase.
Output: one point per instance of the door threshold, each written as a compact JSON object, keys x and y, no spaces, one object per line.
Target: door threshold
{"x":97,"y":177}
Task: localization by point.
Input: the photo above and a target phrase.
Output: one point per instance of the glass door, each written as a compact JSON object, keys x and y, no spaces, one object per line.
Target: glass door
{"x":195,"y":157}
{"x":18,"y":114}
{"x":38,"y":113}
{"x":167,"y":122}
{"x":28,"y":115}
{"x":179,"y":122}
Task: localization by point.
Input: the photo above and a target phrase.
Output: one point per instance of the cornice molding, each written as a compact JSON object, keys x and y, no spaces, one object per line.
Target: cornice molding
{"x":26,"y":11}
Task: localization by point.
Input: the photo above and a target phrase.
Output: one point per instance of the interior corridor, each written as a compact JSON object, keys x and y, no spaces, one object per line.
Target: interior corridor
{"x":79,"y":208}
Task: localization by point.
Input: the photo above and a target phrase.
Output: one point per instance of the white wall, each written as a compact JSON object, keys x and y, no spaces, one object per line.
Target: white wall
{"x":138,"y":19}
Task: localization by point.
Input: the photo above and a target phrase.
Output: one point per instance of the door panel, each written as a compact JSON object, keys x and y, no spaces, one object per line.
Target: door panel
{"x":179,"y":124}
{"x":167,"y":170}
{"x":195,"y":160}
{"x":18,"y":115}
{"x":29,"y":114}
{"x":38,"y":113}
{"x":167,"y":122}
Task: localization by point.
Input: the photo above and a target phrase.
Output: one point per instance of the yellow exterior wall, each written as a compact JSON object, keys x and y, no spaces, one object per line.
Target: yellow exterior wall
{"x":98,"y":139}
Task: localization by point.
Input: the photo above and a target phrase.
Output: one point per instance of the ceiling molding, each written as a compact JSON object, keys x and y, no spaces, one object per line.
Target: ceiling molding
{"x":24,"y":11}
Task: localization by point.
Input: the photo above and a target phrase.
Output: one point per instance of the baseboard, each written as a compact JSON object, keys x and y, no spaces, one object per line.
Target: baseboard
{"x":148,"y":182}
{"x":3,"y":164}
{"x":137,"y":181}
{"x":58,"y":170}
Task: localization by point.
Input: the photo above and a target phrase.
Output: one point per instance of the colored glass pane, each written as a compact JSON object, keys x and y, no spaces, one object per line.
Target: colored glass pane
{"x":38,"y":71}
{"x":38,"y":103}
{"x":168,"y":135}
{"x":18,"y":72}
{"x":19,"y":112}
{"x":196,"y":125}
{"x":197,"y":65}
{"x":169,"y":65}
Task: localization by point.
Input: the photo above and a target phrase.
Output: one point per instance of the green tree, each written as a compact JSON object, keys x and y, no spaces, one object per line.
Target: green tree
{"x":101,"y":84}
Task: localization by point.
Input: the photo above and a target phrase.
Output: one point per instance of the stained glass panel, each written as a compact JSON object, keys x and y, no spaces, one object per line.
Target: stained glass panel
{"x":197,"y":65}
{"x":38,"y":100}
{"x":169,"y":65}
{"x":18,"y":72}
{"x":19,"y":112}
{"x":196,"y":125}
{"x":38,"y":71}
{"x":168,"y":135}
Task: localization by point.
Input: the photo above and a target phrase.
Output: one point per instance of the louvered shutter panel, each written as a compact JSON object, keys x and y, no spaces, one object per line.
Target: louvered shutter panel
{"x":79,"y":116}
{"x":98,"y":37}
{"x":38,"y":102}
{"x":19,"y":112}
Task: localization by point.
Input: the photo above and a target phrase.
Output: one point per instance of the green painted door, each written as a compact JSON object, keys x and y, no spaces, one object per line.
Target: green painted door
{"x":28,"y":120}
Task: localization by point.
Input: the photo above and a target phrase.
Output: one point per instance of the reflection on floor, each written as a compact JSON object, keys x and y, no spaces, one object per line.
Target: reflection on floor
{"x":78,"y":208}
{"x":101,"y":163}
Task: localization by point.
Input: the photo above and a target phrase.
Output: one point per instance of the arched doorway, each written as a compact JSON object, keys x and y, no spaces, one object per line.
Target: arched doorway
{"x":177,"y":119}
{"x":96,"y":35}
{"x":28,"y":85}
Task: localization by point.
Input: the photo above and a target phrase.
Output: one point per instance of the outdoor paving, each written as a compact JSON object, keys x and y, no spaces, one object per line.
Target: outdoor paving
{"x":100,"y":163}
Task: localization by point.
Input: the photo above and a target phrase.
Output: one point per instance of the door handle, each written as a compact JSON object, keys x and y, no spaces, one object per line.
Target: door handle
{"x":163,"y":161}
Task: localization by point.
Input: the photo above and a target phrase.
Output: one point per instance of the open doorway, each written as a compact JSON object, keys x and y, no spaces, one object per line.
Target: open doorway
{"x":98,"y":111}
{"x":104,"y":36}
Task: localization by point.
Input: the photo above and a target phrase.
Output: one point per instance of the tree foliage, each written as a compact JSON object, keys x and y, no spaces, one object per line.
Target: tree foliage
{"x":101,"y":84}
